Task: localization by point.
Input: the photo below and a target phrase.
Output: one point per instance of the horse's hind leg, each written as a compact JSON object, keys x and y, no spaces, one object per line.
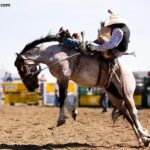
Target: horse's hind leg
{"x":127,"y":88}
{"x":134,"y":114}
{"x":119,"y":103}
{"x":63,"y":85}
{"x":129,"y":84}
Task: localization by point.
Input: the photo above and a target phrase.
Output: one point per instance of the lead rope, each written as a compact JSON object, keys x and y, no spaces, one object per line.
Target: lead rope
{"x":67,"y":58}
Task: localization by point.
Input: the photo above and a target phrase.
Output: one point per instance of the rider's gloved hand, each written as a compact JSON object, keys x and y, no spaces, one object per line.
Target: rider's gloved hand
{"x":89,"y":45}
{"x":82,"y":47}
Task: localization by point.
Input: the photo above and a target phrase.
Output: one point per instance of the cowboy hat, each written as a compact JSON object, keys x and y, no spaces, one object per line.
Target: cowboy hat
{"x":114,"y":19}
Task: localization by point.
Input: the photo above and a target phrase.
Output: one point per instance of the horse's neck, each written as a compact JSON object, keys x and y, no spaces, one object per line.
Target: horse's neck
{"x":41,"y":51}
{"x":49,"y":53}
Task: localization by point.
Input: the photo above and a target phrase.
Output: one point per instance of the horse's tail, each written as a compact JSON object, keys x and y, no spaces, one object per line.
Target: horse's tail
{"x":49,"y":38}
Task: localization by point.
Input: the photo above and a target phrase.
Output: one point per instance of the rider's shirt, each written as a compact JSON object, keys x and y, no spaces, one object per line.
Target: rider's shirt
{"x":116,"y":38}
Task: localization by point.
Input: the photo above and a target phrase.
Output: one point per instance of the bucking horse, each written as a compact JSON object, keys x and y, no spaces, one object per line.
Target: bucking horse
{"x":66,"y":63}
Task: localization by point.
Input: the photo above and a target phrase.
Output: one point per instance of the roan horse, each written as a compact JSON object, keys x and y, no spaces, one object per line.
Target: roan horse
{"x":85,"y":70}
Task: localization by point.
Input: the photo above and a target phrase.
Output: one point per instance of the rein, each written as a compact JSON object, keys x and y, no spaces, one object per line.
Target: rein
{"x":132,"y":53}
{"x":41,"y":69}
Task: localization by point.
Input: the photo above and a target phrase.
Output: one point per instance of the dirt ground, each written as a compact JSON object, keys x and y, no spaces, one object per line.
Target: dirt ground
{"x":34,"y":127}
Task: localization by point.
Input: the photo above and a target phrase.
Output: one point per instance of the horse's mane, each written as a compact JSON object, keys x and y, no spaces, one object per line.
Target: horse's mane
{"x":48,"y":38}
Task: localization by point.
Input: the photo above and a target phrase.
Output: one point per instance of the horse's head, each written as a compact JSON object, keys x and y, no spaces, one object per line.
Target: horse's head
{"x":28,"y":72}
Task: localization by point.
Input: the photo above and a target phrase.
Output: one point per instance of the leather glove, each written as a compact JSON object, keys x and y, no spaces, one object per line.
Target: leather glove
{"x":82,"y":47}
{"x":90,"y":46}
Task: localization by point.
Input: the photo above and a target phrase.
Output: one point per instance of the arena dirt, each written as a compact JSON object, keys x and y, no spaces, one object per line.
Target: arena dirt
{"x":34,"y":127}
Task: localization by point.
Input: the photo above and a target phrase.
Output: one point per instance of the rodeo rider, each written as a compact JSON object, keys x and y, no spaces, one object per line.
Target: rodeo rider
{"x":117,"y":45}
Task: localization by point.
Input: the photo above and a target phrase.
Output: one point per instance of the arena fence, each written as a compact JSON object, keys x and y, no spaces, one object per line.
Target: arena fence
{"x":16,"y":92}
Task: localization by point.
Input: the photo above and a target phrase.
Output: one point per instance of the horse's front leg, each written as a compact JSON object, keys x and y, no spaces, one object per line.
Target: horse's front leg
{"x":62,"y":96}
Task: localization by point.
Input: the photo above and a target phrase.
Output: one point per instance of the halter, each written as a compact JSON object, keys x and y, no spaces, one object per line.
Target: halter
{"x":26,"y":66}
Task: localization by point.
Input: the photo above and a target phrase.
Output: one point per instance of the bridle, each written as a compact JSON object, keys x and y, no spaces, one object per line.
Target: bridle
{"x":40,"y":69}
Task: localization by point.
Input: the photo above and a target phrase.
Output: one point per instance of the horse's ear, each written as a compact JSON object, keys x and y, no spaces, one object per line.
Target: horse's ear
{"x":21,"y":56}
{"x":18,"y":56}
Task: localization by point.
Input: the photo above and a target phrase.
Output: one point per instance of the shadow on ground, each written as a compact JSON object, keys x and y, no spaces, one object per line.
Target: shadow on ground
{"x":58,"y":146}
{"x":47,"y":146}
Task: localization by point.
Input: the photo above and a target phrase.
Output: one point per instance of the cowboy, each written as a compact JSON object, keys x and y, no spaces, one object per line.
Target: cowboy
{"x":117,"y":45}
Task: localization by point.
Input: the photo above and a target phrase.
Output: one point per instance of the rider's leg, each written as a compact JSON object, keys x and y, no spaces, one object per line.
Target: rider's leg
{"x":71,"y":42}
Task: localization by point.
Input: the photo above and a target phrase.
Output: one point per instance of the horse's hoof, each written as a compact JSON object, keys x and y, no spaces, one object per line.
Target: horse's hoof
{"x":146,"y":141}
{"x":60,"y":122}
{"x":146,"y":144}
{"x":74,"y":116}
